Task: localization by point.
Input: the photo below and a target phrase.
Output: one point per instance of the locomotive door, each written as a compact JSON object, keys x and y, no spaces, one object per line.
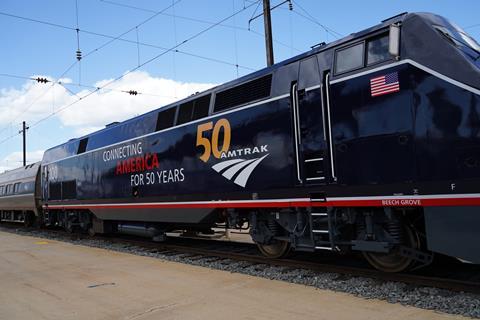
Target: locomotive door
{"x":311,"y":147}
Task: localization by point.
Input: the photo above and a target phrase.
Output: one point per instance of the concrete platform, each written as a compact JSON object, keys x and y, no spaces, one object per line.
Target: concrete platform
{"x":43,"y":279}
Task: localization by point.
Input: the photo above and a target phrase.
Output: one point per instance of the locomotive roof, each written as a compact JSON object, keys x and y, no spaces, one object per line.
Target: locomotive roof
{"x":22,"y":173}
{"x":384,"y":24}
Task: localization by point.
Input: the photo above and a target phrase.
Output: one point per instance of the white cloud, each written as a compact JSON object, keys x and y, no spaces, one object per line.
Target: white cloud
{"x":15,"y":159}
{"x":97,"y":110}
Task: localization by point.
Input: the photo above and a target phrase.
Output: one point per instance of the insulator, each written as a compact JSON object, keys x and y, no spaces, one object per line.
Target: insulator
{"x":79,"y":55}
{"x":290,"y":5}
{"x":132,"y":92}
{"x":42,"y":80}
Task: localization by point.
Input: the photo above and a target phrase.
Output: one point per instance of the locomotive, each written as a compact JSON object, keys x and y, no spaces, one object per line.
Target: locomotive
{"x":368,"y":144}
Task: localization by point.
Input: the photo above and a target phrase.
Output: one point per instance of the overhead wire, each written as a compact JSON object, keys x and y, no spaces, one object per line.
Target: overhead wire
{"x":201,"y":21}
{"x":66,"y":84}
{"x":134,"y":69}
{"x":128,"y":41}
{"x":112,"y":39}
{"x":311,"y":18}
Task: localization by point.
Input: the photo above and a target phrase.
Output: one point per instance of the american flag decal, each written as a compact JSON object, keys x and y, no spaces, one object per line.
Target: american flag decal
{"x":387,"y":83}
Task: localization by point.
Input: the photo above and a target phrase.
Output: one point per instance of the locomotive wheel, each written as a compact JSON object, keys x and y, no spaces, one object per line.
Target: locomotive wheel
{"x":393,"y":261}
{"x":276,"y":250}
{"x":29,"y":219}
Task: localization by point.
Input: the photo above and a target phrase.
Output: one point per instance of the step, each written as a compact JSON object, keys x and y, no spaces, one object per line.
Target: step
{"x":318,"y":214}
{"x":323,"y":248}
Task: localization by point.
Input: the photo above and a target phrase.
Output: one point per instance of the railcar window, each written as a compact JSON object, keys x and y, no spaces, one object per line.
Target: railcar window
{"x":201,"y":107}
{"x":16,"y":187}
{"x":82,"y":146}
{"x":2,"y":188}
{"x":9,"y":189}
{"x":377,"y":50}
{"x":185,"y":112}
{"x":349,"y":59}
{"x":247,"y":92}
{"x":165,"y":119}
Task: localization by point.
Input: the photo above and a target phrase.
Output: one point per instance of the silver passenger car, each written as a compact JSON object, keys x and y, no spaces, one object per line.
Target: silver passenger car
{"x":19,"y":194}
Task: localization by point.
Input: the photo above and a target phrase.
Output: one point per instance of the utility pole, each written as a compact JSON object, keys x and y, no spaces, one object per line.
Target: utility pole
{"x":24,"y":132}
{"x":268,"y":32}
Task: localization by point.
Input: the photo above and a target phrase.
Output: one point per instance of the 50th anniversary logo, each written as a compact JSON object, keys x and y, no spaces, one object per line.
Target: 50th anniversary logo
{"x":214,"y":138}
{"x":234,"y":166}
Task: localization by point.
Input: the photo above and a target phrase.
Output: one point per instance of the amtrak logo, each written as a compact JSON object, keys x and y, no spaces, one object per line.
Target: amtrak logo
{"x":238,"y":169}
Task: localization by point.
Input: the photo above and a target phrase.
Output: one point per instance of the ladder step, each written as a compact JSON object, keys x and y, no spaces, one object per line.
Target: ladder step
{"x":323,"y":248}
{"x":315,"y":178}
{"x":320,"y":231}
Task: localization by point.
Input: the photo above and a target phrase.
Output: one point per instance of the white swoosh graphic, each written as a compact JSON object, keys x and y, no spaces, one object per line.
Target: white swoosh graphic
{"x":222,"y":165}
{"x":231,"y":172}
{"x":242,"y":178}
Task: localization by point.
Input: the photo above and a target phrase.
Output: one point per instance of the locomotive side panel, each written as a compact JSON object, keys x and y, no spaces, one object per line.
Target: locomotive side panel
{"x":230,"y":156}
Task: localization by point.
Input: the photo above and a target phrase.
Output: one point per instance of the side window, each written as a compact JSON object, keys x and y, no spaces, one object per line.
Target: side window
{"x":165,"y":119}
{"x":2,"y":188}
{"x":194,"y":109}
{"x":9,"y":189}
{"x":185,"y":112}
{"x":82,"y":146}
{"x":348,"y":59}
{"x":309,"y":75}
{"x":377,"y":50}
{"x":16,"y":187}
{"x":202,"y":105}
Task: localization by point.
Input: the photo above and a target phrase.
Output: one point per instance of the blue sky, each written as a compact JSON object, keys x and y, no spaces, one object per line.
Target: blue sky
{"x":40,"y":49}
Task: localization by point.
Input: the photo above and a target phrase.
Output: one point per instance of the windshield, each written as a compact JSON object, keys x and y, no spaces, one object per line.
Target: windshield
{"x":459,"y":38}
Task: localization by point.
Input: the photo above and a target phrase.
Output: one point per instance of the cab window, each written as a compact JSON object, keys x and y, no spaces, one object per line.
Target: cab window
{"x":349,"y":59}
{"x":377,"y":50}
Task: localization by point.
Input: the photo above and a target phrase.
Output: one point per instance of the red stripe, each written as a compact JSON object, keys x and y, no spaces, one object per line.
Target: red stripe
{"x":273,"y":204}
{"x":384,"y":85}
{"x":378,"y":93}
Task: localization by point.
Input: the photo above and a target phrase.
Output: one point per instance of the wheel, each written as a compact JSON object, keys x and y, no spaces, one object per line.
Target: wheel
{"x":69,"y":227}
{"x":91,"y":232}
{"x":393,"y":261}
{"x":276,"y":250}
{"x":28,"y":219}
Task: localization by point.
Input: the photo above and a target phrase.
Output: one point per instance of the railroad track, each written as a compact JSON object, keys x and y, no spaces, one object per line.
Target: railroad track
{"x":301,"y":263}
{"x":249,"y":256}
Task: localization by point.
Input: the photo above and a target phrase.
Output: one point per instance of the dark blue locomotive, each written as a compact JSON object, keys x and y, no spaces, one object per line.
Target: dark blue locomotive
{"x":370,"y":143}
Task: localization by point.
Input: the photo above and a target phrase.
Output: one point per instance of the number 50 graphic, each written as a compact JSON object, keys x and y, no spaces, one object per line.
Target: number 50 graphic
{"x":212,"y":146}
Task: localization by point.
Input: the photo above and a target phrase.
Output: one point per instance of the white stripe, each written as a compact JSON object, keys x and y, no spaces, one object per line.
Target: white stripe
{"x":316,"y":159}
{"x":176,"y":127}
{"x":312,"y":88}
{"x":416,"y":64}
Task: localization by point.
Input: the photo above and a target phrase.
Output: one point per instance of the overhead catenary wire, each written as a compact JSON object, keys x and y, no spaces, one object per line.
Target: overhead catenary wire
{"x":112,"y":39}
{"x":129,"y":41}
{"x":66,"y":84}
{"x":311,"y":18}
{"x":201,"y":32}
{"x":259,"y":34}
